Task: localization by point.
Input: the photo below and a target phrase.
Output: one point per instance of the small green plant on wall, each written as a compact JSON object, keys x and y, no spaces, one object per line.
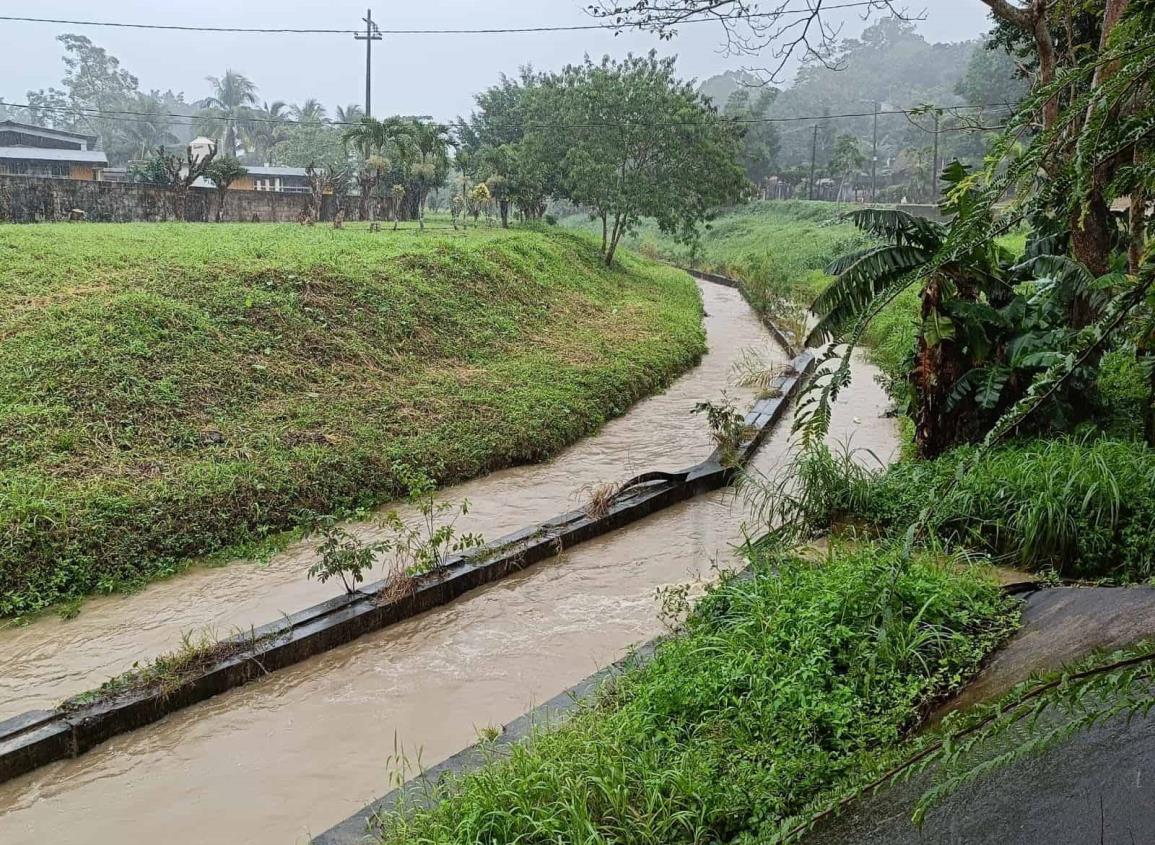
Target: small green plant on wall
{"x":412,"y":546}
{"x":421,"y":545}
{"x":342,"y":555}
{"x":728,"y":426}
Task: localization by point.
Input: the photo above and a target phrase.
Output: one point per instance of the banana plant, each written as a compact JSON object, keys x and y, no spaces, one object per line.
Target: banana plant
{"x":989,"y":321}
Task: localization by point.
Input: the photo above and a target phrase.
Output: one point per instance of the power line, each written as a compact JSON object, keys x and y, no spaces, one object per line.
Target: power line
{"x":477,"y":31}
{"x":127,"y":115}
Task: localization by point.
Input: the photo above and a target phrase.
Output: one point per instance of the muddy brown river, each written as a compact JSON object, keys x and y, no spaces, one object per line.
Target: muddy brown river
{"x":292,"y":754}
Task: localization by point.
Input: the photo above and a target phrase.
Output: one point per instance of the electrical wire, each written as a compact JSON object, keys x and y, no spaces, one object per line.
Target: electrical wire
{"x":463,"y":31}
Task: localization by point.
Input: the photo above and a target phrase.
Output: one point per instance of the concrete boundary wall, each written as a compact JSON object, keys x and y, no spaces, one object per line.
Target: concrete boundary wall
{"x":35,"y":199}
{"x":40,"y":737}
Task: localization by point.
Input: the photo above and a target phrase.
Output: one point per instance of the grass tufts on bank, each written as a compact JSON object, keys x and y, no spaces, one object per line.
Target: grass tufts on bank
{"x":167,"y":391}
{"x":1081,"y":507}
{"x":778,"y":689}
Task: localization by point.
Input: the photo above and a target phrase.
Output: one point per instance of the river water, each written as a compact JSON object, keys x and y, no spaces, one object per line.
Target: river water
{"x":290,"y":755}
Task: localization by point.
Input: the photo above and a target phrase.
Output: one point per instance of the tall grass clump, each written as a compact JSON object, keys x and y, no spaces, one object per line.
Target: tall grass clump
{"x":820,"y":487}
{"x":1083,"y":507}
{"x":777,"y":689}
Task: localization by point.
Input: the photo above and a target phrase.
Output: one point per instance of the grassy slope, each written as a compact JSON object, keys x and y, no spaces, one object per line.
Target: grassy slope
{"x":168,"y":390}
{"x":780,"y":246}
{"x":1082,"y":507}
{"x":780,"y":250}
{"x":781,"y":690}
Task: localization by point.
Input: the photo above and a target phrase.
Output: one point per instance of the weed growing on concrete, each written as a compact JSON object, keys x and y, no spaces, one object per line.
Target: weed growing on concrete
{"x":423,"y":544}
{"x":411,"y":547}
{"x":342,"y":555}
{"x":164,"y":675}
{"x":729,"y":428}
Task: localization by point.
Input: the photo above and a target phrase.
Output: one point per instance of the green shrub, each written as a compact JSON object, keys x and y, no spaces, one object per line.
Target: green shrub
{"x":779,"y":687}
{"x":1124,"y":393}
{"x":1085,"y":508}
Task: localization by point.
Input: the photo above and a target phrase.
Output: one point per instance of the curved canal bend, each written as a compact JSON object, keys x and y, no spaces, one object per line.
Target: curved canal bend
{"x":290,"y":755}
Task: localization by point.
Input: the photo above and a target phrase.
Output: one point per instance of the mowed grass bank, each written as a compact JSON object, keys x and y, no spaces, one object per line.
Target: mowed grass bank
{"x":167,"y":391}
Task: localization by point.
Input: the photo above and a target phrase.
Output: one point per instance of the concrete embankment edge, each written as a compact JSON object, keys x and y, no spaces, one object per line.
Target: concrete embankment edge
{"x":38,"y":738}
{"x":355,"y":829}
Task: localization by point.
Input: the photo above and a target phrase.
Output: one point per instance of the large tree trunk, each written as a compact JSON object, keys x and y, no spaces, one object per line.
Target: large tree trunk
{"x":936,"y":370}
{"x":1091,"y":229}
{"x":363,"y":200}
{"x":1091,"y":224}
{"x":1138,"y":224}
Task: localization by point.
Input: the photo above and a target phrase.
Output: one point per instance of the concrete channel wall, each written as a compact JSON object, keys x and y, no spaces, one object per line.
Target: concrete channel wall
{"x":40,"y":737}
{"x":726,"y":281}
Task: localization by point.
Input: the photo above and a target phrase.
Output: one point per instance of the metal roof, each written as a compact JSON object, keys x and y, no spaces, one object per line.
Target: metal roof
{"x":276,"y":171}
{"x":43,"y":154}
{"x":31,"y":127}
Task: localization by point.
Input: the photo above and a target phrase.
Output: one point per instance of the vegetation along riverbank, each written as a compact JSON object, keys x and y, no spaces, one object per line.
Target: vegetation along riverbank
{"x":171,"y":390}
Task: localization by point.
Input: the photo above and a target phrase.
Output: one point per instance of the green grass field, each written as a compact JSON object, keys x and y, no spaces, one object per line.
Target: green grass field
{"x":167,"y":391}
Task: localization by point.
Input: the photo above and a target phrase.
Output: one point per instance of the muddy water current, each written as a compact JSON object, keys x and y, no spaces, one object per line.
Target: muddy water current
{"x":290,"y":755}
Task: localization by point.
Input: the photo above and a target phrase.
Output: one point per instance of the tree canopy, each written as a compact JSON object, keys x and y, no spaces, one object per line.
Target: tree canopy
{"x":625,"y":139}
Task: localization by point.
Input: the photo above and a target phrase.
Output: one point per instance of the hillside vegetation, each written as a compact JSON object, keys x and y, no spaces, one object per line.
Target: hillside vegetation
{"x":170,"y":390}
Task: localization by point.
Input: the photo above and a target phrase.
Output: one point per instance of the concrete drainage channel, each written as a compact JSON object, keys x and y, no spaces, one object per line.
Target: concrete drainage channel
{"x":775,"y":332}
{"x":355,"y":829}
{"x":37,"y":738}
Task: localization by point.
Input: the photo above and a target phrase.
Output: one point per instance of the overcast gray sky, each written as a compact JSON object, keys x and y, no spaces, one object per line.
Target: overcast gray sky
{"x":415,"y":74}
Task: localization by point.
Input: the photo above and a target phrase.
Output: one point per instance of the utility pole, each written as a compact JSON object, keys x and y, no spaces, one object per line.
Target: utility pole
{"x":372,"y":33}
{"x":934,"y":164}
{"x":813,"y":160}
{"x":874,"y":159}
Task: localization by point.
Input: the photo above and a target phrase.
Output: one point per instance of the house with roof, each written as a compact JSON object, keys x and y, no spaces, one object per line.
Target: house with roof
{"x":282,"y":180}
{"x":27,"y":150}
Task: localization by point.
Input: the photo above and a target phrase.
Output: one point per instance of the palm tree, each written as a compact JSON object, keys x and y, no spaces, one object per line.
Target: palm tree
{"x":381,"y":145}
{"x":151,"y":128}
{"x":990,"y":322}
{"x":226,"y":110}
{"x":349,"y":115}
{"x":430,"y":143}
{"x":265,"y":128}
{"x":310,"y":111}
{"x":952,"y":291}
